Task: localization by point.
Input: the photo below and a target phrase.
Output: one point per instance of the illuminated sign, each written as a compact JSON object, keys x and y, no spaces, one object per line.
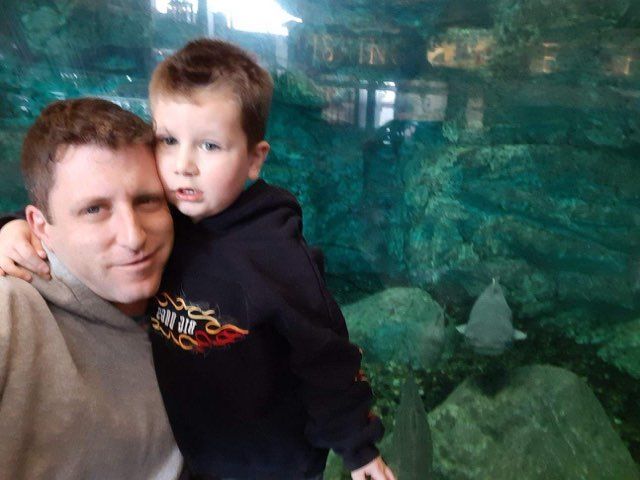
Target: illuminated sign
{"x":330,"y":50}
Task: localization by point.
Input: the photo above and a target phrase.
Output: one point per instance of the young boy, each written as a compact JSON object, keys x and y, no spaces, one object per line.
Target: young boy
{"x":251,"y":351}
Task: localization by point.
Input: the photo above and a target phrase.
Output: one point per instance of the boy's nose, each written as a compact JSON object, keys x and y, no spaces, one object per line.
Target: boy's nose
{"x":185,"y":165}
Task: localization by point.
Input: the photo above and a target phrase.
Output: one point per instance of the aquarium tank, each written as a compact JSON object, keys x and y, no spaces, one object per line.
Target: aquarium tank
{"x":471,"y":171}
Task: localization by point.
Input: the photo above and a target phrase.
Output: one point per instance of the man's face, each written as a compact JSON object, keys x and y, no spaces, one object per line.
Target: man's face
{"x":110,"y":225}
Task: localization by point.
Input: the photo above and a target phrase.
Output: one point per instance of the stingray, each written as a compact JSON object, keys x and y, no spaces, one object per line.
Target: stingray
{"x":490,"y":330}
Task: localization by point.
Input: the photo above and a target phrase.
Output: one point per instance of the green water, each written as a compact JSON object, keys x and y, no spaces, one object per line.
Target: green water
{"x":434,"y":145}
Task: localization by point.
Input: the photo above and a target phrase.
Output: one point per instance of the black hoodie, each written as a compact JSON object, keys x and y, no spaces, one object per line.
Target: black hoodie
{"x":251,"y":351}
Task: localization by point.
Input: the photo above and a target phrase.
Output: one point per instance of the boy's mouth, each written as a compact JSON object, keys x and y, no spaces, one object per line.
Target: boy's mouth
{"x":188,"y":194}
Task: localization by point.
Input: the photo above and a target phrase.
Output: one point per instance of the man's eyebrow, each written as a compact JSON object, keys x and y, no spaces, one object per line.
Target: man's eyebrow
{"x":88,"y":201}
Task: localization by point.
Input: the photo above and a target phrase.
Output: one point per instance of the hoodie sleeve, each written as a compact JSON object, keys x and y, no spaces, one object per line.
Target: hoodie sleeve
{"x":5,"y":342}
{"x":337,"y":397}
{"x":21,"y":311}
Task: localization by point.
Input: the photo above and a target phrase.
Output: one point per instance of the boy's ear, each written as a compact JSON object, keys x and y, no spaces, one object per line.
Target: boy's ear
{"x":37,"y":222}
{"x":257,"y":157}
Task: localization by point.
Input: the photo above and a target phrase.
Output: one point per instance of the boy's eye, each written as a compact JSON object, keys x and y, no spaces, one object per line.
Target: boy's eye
{"x":208,"y":146}
{"x":92,"y":210}
{"x":168,"y":140}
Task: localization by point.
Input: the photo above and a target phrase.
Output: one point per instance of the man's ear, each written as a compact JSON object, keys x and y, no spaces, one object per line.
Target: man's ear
{"x":257,"y":157}
{"x":38,"y":223}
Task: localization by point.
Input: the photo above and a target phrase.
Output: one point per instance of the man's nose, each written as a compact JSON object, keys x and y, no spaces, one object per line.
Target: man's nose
{"x":131,"y":232}
{"x":185,"y":164}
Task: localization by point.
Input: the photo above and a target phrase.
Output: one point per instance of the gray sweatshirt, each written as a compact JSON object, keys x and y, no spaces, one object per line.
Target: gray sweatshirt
{"x":78,"y":393}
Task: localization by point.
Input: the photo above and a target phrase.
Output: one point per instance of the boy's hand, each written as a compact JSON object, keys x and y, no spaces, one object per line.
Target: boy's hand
{"x":21,"y":252}
{"x":376,"y":470}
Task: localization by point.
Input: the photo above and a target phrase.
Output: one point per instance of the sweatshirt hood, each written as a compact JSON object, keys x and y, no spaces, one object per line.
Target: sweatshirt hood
{"x":68,"y":293}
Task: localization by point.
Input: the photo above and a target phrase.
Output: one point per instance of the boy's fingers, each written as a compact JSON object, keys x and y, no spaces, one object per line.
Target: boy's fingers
{"x":389,"y":474}
{"x":41,"y":267}
{"x":20,"y":273}
{"x":13,"y":270}
{"x":28,"y":258}
{"x":37,"y":246}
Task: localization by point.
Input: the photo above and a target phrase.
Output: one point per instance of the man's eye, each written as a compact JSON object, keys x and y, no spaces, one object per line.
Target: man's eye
{"x":209,"y":146}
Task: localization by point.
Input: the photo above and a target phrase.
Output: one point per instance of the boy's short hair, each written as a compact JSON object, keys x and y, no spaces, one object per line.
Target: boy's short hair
{"x":207,"y":64}
{"x":81,"y":121}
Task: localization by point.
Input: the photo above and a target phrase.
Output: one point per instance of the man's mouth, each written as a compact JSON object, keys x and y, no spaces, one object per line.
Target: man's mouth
{"x":141,"y":261}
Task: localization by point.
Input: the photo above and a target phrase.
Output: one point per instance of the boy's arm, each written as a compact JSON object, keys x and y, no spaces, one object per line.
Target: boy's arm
{"x":5,"y":342}
{"x":337,"y":397}
{"x":21,"y":252}
{"x":376,"y":470}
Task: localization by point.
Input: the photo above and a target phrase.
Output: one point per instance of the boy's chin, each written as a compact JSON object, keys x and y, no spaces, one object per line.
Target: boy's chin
{"x":194,"y":211}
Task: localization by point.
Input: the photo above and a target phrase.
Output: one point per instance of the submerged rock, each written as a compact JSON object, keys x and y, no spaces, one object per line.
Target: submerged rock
{"x":544,"y":424}
{"x":617,"y":341}
{"x":398,"y":324}
{"x":622,"y":349}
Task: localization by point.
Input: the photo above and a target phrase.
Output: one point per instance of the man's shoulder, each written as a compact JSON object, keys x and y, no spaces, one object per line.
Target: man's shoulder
{"x":17,"y":295}
{"x":16,"y":286}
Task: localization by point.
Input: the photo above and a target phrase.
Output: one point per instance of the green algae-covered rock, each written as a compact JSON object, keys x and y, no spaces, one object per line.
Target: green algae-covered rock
{"x":398,"y":324}
{"x":89,"y":35}
{"x":622,"y":349}
{"x":296,"y":88}
{"x":544,"y":424}
{"x":554,"y":222}
{"x":12,"y":193}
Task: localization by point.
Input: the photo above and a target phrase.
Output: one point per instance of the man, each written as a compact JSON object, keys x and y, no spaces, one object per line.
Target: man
{"x":78,"y":395}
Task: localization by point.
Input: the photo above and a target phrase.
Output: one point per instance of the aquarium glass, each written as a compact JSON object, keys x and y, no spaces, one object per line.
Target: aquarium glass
{"x":439,"y":149}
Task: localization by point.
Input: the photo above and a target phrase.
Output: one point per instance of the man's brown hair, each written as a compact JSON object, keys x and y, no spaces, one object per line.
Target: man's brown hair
{"x":207,"y":64}
{"x":81,"y":121}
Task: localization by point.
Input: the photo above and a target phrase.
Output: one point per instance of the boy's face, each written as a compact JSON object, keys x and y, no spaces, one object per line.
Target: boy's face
{"x":202,"y":152}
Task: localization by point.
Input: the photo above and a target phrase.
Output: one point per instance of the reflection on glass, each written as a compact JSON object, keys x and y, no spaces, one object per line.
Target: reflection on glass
{"x":547,"y":61}
{"x":434,"y":146}
{"x":621,"y":64}
{"x":180,"y":10}
{"x":475,"y":113}
{"x":469,"y":49}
